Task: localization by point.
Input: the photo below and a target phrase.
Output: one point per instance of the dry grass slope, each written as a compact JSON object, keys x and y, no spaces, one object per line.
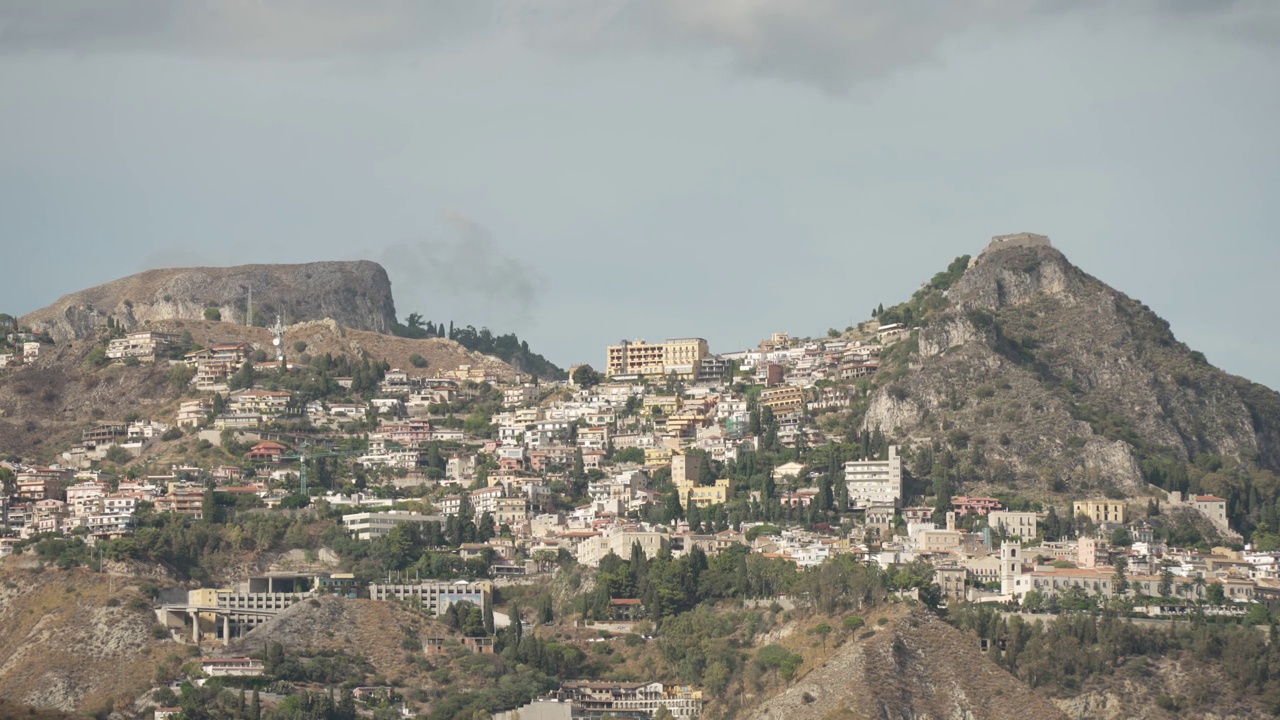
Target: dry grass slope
{"x":75,"y":640}
{"x":916,"y":666}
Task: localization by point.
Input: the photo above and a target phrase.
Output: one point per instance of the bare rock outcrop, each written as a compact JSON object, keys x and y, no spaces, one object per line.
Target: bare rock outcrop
{"x":356,"y":294}
{"x":1060,"y":381}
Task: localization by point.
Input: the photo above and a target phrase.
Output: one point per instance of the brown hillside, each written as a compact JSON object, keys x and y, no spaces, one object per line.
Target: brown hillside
{"x":45,"y":406}
{"x":75,"y":640}
{"x":916,"y":666}
{"x":374,"y":630}
{"x":327,"y":336}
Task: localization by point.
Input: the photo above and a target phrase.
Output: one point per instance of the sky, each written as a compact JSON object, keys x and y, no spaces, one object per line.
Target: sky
{"x":582,"y":171}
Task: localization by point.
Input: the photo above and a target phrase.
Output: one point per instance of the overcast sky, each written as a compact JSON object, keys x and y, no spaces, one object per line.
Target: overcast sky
{"x":579,"y":171}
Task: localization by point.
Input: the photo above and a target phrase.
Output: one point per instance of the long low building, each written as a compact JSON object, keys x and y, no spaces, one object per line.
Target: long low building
{"x":370,"y":525}
{"x":435,"y":596}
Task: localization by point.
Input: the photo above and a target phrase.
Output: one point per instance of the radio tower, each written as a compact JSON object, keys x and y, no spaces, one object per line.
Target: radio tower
{"x":277,"y":332}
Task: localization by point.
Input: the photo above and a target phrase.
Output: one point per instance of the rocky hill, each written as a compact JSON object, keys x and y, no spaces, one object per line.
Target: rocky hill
{"x":355,"y":294}
{"x":379,"y":632}
{"x":916,"y":666}
{"x":1041,"y":375}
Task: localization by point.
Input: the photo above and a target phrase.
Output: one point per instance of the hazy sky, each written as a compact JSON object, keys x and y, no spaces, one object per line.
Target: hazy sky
{"x":581,"y":171}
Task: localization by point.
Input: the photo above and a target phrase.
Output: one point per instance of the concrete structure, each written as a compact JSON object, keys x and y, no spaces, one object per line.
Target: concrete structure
{"x":685,"y":468}
{"x":519,"y":395}
{"x":680,"y":356}
{"x":145,"y":345}
{"x":704,"y":495}
{"x":594,"y":546}
{"x":876,"y":482}
{"x":540,"y":709}
{"x":1002,"y":242}
{"x":782,"y":399}
{"x":1092,"y":552}
{"x":231,"y":667}
{"x":951,"y":579}
{"x":1021,"y":525}
{"x":435,"y":596}
{"x":1101,"y":511}
{"x":227,"y":613}
{"x":366,"y":526}
{"x":619,"y":699}
{"x":1212,"y":507}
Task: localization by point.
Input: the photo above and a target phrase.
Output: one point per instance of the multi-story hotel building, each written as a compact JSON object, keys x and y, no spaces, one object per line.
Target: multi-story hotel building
{"x":682,"y":356}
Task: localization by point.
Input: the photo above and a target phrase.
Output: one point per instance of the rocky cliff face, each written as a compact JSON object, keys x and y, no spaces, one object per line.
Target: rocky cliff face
{"x":1046,"y":373}
{"x":356,"y":294}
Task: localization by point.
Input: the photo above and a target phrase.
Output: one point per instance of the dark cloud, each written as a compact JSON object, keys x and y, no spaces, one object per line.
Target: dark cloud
{"x":833,"y":44}
{"x":468,"y":273}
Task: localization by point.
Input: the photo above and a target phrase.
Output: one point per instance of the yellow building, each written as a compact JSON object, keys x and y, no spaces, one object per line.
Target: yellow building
{"x":657,"y":456}
{"x":681,"y":356}
{"x":685,"y":468}
{"x":206,"y":598}
{"x":665,"y":404}
{"x":686,"y":421}
{"x":704,"y":496}
{"x":782,"y":399}
{"x":1101,"y":511}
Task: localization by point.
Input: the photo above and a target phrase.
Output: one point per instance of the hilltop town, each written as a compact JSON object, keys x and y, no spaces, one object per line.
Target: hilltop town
{"x":663,"y":477}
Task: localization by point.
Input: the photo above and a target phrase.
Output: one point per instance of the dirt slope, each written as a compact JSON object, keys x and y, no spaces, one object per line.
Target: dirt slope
{"x":75,"y":640}
{"x":915,"y":667}
{"x":375,"y":630}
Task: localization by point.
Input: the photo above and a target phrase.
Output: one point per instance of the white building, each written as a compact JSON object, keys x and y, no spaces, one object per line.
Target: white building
{"x":874,"y":482}
{"x":1021,"y":525}
{"x":366,"y":526}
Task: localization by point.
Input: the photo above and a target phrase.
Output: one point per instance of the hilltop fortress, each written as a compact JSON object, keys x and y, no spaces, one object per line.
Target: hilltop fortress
{"x":1022,"y":239}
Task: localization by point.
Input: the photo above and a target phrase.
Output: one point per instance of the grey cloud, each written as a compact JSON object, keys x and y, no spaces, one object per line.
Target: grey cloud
{"x":469,"y":273}
{"x":833,"y":44}
{"x":283,"y":28}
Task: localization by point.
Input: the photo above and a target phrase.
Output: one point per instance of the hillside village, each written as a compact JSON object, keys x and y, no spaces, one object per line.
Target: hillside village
{"x":665,"y":455}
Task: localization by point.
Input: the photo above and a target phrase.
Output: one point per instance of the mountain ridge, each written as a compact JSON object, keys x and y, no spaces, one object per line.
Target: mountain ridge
{"x":356,"y":294}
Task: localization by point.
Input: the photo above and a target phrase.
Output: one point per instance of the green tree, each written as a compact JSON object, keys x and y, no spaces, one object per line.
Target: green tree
{"x":213,"y":313}
{"x":118,"y":455}
{"x":1119,"y":580}
{"x":1165,"y":588}
{"x":822,"y":630}
{"x":243,"y":378}
{"x":585,"y":377}
{"x":1216,"y":594}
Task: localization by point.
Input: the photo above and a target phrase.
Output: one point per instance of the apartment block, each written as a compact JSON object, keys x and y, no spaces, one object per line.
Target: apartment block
{"x":682,"y":356}
{"x":874,"y":482}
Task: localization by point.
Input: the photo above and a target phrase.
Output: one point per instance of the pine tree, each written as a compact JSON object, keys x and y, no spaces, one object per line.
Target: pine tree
{"x":255,"y":709}
{"x":488,"y":618}
{"x":517,"y":625}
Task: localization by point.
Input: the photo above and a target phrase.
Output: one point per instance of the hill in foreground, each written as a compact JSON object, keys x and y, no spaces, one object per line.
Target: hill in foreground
{"x":76,"y":640}
{"x":916,"y":666}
